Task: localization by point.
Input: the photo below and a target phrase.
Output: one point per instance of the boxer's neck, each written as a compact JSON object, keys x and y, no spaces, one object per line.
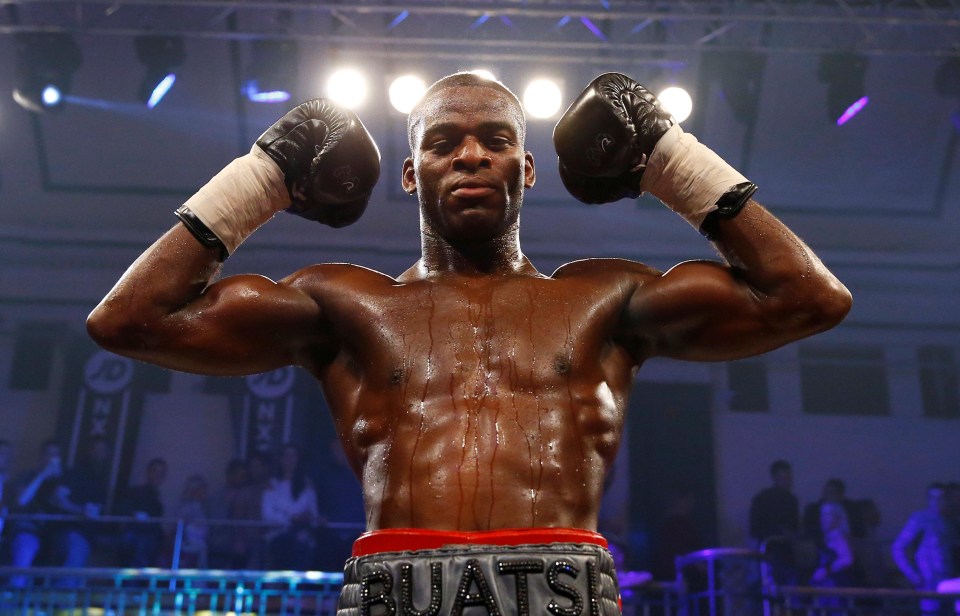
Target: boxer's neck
{"x":499,"y":255}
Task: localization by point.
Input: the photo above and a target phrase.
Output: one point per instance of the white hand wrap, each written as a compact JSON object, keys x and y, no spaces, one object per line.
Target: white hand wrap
{"x":243,"y":196}
{"x":687,"y":176}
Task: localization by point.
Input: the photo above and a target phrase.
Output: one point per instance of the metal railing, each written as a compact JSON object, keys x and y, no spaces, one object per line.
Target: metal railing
{"x":712,"y":582}
{"x":174,"y":528}
{"x":143,"y":592}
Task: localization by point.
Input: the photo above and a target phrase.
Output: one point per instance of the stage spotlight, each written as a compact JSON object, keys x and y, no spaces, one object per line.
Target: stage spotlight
{"x":161,"y":56}
{"x":845,"y":75}
{"x":406,"y":91}
{"x":272,"y":73}
{"x":46,"y":62}
{"x":677,"y":101}
{"x":347,"y":87}
{"x":542,"y":98}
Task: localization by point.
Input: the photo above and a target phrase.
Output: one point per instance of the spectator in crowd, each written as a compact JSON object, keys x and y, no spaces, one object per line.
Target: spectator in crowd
{"x":775,"y":521}
{"x":34,"y":493}
{"x":923,"y":550}
{"x":835,"y":562}
{"x":260,"y":475}
{"x":191,"y":514}
{"x":140,"y":541}
{"x":833,"y":491}
{"x":291,"y":503}
{"x":81,"y":492}
{"x":231,"y":546}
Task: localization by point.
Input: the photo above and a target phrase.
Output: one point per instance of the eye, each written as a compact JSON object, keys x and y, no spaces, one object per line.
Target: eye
{"x":500,"y":142}
{"x":439,"y":145}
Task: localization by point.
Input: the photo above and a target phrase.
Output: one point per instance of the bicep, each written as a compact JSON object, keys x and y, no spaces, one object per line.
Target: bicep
{"x":700,"y":310}
{"x":239,"y":325}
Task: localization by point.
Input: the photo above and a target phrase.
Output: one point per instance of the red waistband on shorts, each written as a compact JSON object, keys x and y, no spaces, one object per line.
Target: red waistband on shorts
{"x":409,"y":539}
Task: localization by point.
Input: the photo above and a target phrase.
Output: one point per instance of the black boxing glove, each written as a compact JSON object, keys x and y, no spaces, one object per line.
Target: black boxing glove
{"x":606,"y":136}
{"x":330,"y":163}
{"x":317,"y":161}
{"x":617,"y":141}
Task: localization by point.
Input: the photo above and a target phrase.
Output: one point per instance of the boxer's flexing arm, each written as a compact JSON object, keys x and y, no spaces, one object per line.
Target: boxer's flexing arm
{"x":616,"y":141}
{"x":165,"y":310}
{"x":773,"y":290}
{"x":318,"y":162}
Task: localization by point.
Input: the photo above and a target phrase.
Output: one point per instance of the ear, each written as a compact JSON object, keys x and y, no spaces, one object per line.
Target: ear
{"x":529,"y":170}
{"x":408,"y":179}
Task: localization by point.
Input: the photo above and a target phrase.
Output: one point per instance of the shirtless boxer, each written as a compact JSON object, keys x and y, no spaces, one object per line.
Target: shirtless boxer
{"x":480,"y":402}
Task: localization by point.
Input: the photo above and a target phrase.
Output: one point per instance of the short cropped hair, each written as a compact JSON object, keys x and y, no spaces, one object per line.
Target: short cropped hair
{"x":837,"y":484}
{"x":779,"y":466}
{"x":464,"y":79}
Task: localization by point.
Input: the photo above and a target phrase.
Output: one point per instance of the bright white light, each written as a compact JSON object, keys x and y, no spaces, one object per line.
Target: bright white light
{"x":406,"y":91}
{"x":161,"y":90}
{"x":482,"y":72}
{"x":541,"y":99}
{"x":677,"y":102}
{"x":50,"y":95}
{"x":347,"y":87}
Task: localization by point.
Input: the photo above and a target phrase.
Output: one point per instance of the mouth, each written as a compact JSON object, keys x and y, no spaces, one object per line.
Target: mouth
{"x":472,"y":189}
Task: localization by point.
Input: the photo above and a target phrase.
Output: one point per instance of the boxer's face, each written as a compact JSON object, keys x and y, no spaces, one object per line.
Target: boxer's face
{"x":468,"y":166}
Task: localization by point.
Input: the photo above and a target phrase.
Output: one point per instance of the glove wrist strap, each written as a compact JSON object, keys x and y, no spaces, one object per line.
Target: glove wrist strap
{"x":200,"y":231}
{"x":236,"y":201}
{"x":728,"y":206}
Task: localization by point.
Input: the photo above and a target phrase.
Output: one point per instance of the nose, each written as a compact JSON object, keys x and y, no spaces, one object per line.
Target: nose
{"x":471,"y":155}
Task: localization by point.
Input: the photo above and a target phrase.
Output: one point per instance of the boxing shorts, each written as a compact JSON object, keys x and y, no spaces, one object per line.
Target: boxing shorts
{"x":514,"y":572}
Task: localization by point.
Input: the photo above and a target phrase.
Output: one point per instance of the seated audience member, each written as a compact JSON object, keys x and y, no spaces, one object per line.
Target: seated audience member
{"x":231,"y":546}
{"x":833,"y":491}
{"x":835,"y":563}
{"x":140,"y":541}
{"x":291,"y":503}
{"x":81,"y":492}
{"x":34,"y":491}
{"x":260,"y":475}
{"x":192,"y":515}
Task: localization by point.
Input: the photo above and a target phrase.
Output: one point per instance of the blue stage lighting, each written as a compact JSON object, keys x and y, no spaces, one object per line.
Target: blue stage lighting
{"x":46,"y":62}
{"x":161,"y":55}
{"x":272,"y":73}
{"x":845,"y":76}
{"x":853,"y":110}
{"x":161,"y":90}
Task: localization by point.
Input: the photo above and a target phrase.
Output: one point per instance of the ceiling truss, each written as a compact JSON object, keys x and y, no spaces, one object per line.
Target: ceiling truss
{"x":587,"y":31}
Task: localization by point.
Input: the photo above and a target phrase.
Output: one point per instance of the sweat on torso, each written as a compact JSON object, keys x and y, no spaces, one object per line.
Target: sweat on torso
{"x":479,"y":403}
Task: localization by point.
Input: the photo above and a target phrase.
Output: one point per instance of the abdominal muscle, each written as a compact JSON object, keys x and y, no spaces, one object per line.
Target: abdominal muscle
{"x":506,"y":462}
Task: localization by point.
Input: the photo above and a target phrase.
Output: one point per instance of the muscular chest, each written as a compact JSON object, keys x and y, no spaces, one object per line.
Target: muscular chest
{"x":527,"y":334}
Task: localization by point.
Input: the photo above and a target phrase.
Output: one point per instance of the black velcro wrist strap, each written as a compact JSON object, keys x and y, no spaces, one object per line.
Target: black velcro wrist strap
{"x":728,"y":205}
{"x":200,"y":231}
